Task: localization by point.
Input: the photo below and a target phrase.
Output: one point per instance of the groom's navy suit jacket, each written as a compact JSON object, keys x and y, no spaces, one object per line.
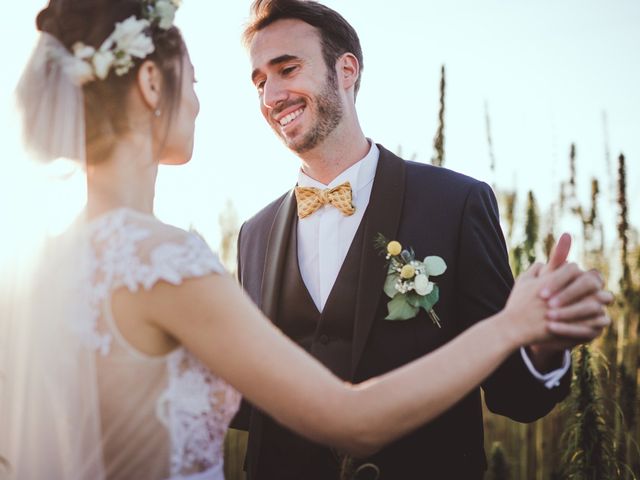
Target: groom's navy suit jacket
{"x":436,"y":212}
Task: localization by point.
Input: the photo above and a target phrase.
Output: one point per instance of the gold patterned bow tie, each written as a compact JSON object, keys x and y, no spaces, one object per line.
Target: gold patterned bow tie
{"x":311,"y":199}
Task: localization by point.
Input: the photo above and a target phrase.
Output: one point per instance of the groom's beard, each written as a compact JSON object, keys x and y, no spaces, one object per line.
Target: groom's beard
{"x":328,"y":111}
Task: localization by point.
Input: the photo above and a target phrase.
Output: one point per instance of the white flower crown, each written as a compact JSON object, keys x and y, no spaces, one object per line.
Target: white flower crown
{"x":127,"y":41}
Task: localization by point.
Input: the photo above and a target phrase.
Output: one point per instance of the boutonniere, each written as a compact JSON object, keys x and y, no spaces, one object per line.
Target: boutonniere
{"x":407,"y":283}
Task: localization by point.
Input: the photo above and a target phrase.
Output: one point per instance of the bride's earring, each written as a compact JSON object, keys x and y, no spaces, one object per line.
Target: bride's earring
{"x":157,"y":112}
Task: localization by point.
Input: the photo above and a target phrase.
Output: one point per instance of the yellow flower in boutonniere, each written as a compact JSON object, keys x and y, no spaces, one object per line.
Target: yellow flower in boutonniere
{"x":394,"y":248}
{"x":407,"y":272}
{"x":408,"y":284}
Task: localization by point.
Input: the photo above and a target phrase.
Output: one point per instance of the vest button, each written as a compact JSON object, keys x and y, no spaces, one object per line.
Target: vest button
{"x":324,"y":339}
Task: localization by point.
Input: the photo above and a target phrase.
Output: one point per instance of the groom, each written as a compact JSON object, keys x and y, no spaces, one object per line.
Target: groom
{"x":313,"y":269}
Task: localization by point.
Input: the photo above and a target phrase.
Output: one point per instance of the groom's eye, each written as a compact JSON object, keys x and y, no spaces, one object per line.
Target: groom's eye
{"x":288,"y":70}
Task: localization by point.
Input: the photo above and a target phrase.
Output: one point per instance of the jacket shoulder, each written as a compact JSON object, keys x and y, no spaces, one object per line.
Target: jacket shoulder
{"x":441,"y":175}
{"x":425,"y":174}
{"x":265,"y":216}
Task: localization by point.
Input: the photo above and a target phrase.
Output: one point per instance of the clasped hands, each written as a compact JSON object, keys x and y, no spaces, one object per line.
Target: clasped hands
{"x":572,"y":302}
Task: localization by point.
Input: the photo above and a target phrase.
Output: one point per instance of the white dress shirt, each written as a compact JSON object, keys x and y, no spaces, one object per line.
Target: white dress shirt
{"x":325,"y":236}
{"x":324,"y":239}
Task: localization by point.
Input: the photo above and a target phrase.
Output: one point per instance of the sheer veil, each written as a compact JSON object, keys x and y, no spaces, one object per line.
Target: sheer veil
{"x":49,"y":412}
{"x":50,"y":97}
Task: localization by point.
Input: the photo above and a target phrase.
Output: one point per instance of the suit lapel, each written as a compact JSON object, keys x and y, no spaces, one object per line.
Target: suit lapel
{"x":275,"y":256}
{"x":383,"y":216}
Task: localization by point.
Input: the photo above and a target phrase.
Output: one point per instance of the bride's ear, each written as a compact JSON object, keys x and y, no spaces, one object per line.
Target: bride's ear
{"x":149,"y":82}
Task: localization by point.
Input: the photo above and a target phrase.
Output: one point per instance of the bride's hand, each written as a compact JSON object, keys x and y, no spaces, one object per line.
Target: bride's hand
{"x":527,"y":310}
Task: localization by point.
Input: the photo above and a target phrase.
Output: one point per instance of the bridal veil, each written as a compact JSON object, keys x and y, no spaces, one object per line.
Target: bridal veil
{"x":49,"y":421}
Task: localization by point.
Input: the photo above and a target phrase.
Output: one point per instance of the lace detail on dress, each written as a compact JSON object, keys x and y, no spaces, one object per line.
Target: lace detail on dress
{"x":197,"y":408}
{"x":123,"y":252}
{"x":133,"y":250}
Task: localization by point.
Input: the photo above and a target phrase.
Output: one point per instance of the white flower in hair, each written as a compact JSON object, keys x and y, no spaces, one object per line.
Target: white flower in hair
{"x":130,"y":38}
{"x":75,"y":66}
{"x":80,"y":72}
{"x":165,"y":11}
{"x":82,"y":51}
{"x":102,"y":62}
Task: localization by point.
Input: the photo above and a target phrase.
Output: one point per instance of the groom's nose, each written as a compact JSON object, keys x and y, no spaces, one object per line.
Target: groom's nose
{"x":274,"y":93}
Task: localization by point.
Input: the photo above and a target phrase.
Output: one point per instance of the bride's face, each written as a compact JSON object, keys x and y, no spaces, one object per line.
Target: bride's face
{"x":178,"y":144}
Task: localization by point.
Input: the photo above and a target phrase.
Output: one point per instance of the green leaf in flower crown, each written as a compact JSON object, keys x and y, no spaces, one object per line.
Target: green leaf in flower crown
{"x":390,"y":285}
{"x":400,"y":309}
{"x":428,"y":301}
{"x":434,"y":265}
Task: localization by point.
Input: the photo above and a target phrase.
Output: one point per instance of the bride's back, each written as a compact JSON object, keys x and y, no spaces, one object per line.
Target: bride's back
{"x":129,"y":383}
{"x":81,"y":400}
{"x":160,"y":415}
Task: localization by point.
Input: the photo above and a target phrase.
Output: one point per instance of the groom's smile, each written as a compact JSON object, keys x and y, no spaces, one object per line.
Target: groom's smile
{"x":290,"y":117}
{"x":287,"y":116}
{"x":298,"y":96}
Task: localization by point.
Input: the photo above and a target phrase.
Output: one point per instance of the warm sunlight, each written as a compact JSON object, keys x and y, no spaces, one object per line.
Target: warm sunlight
{"x":546,"y":74}
{"x":411,"y":244}
{"x":39,"y":204}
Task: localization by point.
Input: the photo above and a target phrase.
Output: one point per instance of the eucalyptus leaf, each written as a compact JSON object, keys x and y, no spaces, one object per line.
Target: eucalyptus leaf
{"x":413,"y":299}
{"x":400,"y":309}
{"x":428,"y":301}
{"x":434,"y":296}
{"x":390,"y":285}
{"x":434,"y":265}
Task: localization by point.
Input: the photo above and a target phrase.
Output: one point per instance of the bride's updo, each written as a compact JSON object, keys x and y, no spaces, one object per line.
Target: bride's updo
{"x":91,"y":22}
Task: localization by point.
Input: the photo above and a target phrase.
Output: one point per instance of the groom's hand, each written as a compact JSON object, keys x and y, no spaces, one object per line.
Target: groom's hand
{"x":577,"y":311}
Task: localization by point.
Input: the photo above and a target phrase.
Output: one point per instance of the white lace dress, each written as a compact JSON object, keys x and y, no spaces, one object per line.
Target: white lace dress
{"x":161,"y":417}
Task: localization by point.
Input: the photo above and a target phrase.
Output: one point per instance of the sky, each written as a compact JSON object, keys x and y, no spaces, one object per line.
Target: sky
{"x":547,"y":71}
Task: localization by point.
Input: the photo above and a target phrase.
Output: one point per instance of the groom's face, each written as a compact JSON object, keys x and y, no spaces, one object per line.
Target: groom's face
{"x":298,"y":95}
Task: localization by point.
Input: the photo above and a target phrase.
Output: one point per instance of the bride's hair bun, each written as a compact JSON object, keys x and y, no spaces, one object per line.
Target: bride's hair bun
{"x":105,"y":102}
{"x":86,"y":21}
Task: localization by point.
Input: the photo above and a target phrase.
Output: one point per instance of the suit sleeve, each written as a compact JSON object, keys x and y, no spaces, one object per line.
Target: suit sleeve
{"x":484,"y":280}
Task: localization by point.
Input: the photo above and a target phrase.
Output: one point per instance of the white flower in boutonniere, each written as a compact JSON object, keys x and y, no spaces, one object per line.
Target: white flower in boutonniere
{"x":408,"y":284}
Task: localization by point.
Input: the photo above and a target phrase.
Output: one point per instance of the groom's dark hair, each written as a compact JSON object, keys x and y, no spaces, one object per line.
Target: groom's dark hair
{"x":337,"y":35}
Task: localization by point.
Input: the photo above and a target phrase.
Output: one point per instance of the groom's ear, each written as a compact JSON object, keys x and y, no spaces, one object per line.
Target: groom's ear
{"x":348,"y":70}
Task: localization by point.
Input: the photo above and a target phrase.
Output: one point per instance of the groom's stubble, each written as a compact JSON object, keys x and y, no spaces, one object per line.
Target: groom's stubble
{"x":329,"y":112}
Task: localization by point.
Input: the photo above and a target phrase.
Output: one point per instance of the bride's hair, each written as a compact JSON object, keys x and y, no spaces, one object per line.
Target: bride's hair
{"x":91,"y":22}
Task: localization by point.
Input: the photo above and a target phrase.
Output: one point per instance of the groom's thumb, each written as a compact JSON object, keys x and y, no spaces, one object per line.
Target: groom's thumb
{"x":559,"y":253}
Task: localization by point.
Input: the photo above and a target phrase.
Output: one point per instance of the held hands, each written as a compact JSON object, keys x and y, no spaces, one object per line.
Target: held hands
{"x":576,"y":312}
{"x":556,"y":306}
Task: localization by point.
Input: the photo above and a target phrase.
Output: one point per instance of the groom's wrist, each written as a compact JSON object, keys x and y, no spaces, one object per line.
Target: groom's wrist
{"x":544,"y":358}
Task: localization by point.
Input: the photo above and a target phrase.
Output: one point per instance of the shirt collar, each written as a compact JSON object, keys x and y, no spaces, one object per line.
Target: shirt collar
{"x":359,"y":174}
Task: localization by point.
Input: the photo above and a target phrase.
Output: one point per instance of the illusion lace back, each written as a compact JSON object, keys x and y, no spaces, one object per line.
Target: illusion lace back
{"x":161,"y":416}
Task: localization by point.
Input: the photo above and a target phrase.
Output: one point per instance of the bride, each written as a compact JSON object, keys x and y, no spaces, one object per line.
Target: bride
{"x":126,"y":355}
